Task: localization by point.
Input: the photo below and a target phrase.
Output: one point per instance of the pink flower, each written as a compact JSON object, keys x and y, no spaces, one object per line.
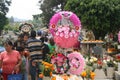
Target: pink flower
{"x":77,"y":63}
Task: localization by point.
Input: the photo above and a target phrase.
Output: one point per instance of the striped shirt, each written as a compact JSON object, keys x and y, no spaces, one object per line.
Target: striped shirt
{"x":34,"y":46}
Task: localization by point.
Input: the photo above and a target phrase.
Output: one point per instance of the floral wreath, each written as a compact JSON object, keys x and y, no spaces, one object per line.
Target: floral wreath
{"x":69,"y":16}
{"x":76,"y":62}
{"x":25,"y":27}
{"x":65,"y":27}
{"x":60,"y":62}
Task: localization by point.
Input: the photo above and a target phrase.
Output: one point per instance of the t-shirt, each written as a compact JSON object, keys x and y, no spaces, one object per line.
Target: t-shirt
{"x":9,"y":61}
{"x":52,"y":48}
{"x":23,"y":65}
{"x":34,"y":46}
{"x":19,"y":44}
{"x":45,"y":50}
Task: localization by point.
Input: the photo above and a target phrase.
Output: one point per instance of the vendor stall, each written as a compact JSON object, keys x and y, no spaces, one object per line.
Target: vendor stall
{"x":92,"y":47}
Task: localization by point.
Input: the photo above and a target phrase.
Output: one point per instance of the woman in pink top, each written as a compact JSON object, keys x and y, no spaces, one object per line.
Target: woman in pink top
{"x":10,"y":60}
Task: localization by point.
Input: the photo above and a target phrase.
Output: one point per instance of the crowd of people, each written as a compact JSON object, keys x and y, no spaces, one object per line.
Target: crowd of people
{"x":24,"y":56}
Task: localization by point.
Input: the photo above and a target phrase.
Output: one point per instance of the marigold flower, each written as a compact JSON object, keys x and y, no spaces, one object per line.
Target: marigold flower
{"x":41,"y":75}
{"x":53,"y":78}
{"x":83,"y":74}
{"x":92,"y":75}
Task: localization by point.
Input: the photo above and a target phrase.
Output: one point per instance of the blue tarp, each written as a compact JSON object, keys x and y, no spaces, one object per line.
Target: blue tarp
{"x":2,"y":48}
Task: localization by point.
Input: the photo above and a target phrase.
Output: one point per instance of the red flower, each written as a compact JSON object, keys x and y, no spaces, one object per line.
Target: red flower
{"x":53,"y":26}
{"x":118,"y":57}
{"x":60,"y":55}
{"x":53,"y":57}
{"x":99,"y":62}
{"x":77,"y":27}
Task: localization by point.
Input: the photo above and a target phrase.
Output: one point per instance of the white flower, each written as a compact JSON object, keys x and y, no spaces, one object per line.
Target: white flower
{"x":95,"y":59}
{"x":86,"y":60}
{"x":114,"y":62}
{"x":91,"y":60}
{"x":104,"y":61}
{"x":108,"y":60}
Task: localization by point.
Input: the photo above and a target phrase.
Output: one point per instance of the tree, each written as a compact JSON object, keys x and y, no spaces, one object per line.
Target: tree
{"x":101,"y":16}
{"x":49,"y":8}
{"x":3,"y":11}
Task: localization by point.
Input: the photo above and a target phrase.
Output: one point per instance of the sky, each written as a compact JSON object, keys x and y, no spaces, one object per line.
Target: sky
{"x":23,"y":9}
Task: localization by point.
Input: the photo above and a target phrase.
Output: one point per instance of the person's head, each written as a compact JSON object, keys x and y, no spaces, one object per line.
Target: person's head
{"x":8,"y":45}
{"x":21,"y":50}
{"x":39,"y":33}
{"x":45,"y":39}
{"x":33,"y":34}
{"x":25,"y":37}
{"x":51,"y":41}
{"x":20,"y":37}
{"x":42,"y":39}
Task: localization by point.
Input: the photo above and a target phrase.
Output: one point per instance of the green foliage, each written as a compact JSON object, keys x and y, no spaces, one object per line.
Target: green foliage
{"x":46,"y":72}
{"x":12,"y":26}
{"x":3,"y":21}
{"x":101,"y":16}
{"x":3,"y":10}
{"x":110,"y":63}
{"x":49,"y":7}
{"x":4,"y":6}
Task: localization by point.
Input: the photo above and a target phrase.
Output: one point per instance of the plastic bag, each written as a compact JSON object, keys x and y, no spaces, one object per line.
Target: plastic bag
{"x":15,"y":77}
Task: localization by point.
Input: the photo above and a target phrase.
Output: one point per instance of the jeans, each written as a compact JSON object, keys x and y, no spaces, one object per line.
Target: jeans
{"x":34,"y":70}
{"x":25,"y":76}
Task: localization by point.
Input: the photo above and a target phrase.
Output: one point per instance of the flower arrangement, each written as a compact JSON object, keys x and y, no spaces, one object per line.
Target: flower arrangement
{"x":76,"y":62}
{"x":91,"y":61}
{"x":109,"y":62}
{"x":66,"y":37}
{"x":88,"y":74}
{"x":66,"y":77}
{"x":47,"y":70}
{"x":67,"y":15}
{"x":66,"y":33}
{"x":60,"y":62}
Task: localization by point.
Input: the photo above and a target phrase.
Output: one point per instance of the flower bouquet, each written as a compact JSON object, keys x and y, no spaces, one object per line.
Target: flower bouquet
{"x":91,"y":62}
{"x":88,"y":74}
{"x":47,"y":70}
{"x":111,"y":64}
{"x":60,"y":62}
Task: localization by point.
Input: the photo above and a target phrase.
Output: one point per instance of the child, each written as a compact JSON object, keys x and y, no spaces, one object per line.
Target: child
{"x":23,"y":69}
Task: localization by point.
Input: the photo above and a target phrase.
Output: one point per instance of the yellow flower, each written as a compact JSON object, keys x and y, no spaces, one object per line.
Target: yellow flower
{"x":65,"y":77}
{"x":83,"y":74}
{"x":53,"y":78}
{"x":92,"y":75}
{"x":46,"y":66}
{"x":50,"y":73}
